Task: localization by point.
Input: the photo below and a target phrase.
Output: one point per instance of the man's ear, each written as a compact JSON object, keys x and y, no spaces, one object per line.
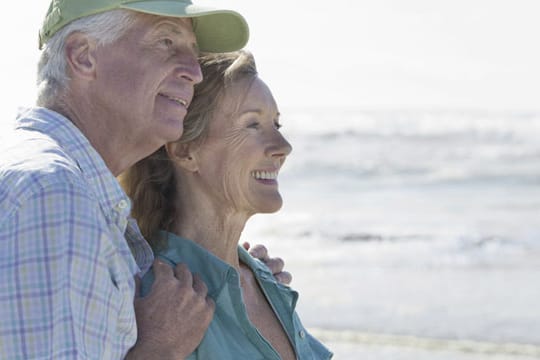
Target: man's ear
{"x":183,"y":155}
{"x":80,"y":55}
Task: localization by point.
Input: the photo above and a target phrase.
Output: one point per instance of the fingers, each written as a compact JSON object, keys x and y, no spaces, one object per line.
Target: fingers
{"x":246,"y":245}
{"x":199,"y":286}
{"x":163,"y":273}
{"x":174,"y":316}
{"x":284,"y":277}
{"x":184,"y":276}
{"x":275,"y":265}
{"x":202,"y":290}
{"x":161,"y":270}
{"x":211,"y":307}
{"x":259,"y":252}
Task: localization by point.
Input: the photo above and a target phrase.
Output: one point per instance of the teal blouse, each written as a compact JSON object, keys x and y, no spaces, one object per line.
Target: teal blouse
{"x":231,"y":335}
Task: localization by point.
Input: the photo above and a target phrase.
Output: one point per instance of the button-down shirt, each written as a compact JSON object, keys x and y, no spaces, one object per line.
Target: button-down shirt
{"x":66,"y":269}
{"x":231,"y":335}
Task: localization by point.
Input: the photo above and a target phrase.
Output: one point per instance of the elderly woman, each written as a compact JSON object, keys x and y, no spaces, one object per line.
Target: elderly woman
{"x":193,"y":197}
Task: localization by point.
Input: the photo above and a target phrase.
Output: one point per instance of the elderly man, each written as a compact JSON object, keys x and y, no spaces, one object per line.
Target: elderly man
{"x":115,"y":80}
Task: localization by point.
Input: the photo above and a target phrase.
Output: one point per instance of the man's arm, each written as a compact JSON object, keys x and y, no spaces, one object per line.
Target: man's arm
{"x":276,"y":264}
{"x":66,"y":289}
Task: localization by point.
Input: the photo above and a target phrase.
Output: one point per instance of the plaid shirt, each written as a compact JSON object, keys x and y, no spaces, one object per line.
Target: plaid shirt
{"x":66,"y":269}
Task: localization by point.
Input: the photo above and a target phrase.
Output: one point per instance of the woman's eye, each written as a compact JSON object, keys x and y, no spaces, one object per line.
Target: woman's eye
{"x":253,"y":125}
{"x":277,"y":125}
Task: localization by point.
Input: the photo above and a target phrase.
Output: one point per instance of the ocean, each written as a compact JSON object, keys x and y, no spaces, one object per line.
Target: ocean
{"x":412,"y":234}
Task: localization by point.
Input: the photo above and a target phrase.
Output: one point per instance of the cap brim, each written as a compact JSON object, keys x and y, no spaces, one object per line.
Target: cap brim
{"x":217,"y":30}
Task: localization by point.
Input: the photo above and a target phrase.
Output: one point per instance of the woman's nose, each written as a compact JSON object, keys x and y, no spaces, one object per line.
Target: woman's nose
{"x":280,"y":147}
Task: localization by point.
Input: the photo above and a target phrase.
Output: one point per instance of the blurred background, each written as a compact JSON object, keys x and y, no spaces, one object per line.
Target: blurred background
{"x":411,"y":221}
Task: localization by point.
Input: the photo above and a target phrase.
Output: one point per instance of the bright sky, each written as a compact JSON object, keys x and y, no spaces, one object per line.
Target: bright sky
{"x":356,"y":53}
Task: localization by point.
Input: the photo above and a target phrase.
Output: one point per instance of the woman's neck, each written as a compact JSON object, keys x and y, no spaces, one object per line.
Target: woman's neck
{"x":217,"y":233}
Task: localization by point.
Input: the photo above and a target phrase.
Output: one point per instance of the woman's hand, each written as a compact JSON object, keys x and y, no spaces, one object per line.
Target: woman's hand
{"x":274,"y":264}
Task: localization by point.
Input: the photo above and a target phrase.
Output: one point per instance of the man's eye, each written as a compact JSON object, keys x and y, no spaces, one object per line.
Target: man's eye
{"x":277,"y":125}
{"x":167,"y":42}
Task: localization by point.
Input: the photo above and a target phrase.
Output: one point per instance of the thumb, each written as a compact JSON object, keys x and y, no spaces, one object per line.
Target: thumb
{"x":161,"y":270}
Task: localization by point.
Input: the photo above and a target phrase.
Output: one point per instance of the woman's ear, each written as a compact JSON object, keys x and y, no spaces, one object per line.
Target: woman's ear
{"x":80,"y":55}
{"x":183,"y":155}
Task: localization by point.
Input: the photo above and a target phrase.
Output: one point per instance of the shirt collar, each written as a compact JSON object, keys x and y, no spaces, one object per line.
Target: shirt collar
{"x":267,"y":279}
{"x":114,"y":202}
{"x":215,"y":272}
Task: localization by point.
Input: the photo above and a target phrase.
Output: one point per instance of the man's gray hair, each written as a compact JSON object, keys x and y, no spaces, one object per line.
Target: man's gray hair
{"x":53,"y":74}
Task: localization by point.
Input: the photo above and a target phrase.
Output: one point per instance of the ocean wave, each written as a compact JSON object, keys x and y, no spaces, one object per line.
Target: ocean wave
{"x":410,"y":161}
{"x":415,"y":124}
{"x":368,"y":174}
{"x":428,"y":247}
{"x":369,"y":237}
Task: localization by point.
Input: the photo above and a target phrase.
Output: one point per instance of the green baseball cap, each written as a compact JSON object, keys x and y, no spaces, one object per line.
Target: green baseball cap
{"x":217,"y":30}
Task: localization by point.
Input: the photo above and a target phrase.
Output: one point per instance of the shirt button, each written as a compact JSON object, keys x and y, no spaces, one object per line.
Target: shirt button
{"x":123,"y":204}
{"x":302,"y":334}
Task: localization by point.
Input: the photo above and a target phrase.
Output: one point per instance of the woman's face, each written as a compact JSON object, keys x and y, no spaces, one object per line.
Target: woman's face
{"x":240,"y":159}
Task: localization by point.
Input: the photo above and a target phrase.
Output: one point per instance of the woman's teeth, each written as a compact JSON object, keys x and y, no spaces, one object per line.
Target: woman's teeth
{"x":265,"y":175}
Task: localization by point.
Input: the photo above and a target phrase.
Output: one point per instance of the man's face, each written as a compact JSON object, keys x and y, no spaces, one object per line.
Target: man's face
{"x":144,"y":81}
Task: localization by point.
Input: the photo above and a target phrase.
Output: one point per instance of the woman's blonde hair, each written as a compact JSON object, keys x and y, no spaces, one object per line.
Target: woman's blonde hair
{"x":151,"y":183}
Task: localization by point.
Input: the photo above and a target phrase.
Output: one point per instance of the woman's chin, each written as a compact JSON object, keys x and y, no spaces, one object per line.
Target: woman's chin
{"x":270,"y":208}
